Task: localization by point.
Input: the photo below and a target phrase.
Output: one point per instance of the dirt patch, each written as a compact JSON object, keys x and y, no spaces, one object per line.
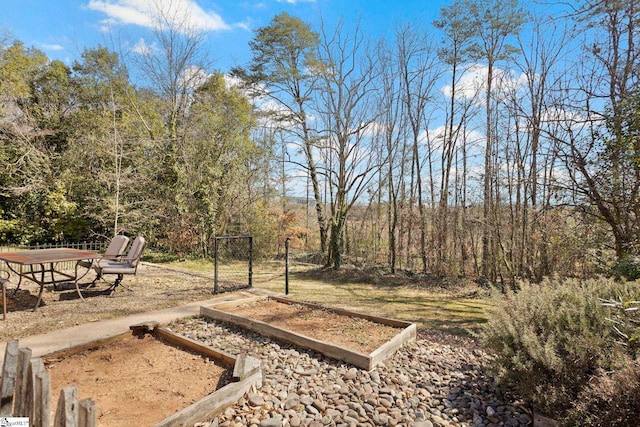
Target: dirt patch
{"x":361,"y":335}
{"x":137,"y":381}
{"x":152,"y":288}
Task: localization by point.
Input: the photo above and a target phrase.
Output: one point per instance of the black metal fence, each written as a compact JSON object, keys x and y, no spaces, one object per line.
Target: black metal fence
{"x":88,"y":246}
{"x":233,"y":263}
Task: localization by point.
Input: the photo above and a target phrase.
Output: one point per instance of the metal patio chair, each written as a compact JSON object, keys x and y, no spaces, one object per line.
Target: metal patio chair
{"x":127,"y":265}
{"x":114,"y":251}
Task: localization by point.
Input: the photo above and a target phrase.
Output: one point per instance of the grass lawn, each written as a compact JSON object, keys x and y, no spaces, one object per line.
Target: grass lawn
{"x":430,"y":303}
{"x":453,"y":311}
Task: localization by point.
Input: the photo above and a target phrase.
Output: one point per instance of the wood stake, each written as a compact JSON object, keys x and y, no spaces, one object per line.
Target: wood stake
{"x":67,"y":409}
{"x":87,"y":415}
{"x":8,"y":382}
{"x":34,"y":410}
{"x":43,"y":397}
{"x":19,"y":405}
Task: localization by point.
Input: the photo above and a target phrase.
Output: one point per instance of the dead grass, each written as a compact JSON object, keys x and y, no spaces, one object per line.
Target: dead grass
{"x":432,"y":304}
{"x":458,"y":307}
{"x":151,"y":289}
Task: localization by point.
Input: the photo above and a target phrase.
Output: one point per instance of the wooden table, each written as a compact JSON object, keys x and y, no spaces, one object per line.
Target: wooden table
{"x":41,"y":266}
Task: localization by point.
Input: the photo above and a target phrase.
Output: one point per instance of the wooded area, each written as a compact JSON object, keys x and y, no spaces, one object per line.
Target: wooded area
{"x":498,"y":142}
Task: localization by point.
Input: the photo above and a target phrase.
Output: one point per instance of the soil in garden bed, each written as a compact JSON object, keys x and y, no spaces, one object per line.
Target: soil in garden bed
{"x":353,"y":333}
{"x":136,"y":381}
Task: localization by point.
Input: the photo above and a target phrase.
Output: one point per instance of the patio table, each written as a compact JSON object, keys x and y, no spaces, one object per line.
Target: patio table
{"x":41,"y":266}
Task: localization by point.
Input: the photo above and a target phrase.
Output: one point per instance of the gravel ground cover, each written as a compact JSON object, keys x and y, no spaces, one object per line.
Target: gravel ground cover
{"x":438,"y":381}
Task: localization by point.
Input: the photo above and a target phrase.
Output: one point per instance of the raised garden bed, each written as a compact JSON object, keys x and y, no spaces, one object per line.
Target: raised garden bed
{"x":160,"y":378}
{"x":359,"y":339}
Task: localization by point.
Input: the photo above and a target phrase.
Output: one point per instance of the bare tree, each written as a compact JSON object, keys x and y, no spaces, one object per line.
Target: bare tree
{"x":348,"y":111}
{"x":457,"y":38}
{"x":418,"y":72}
{"x":174,"y":63}
{"x":599,"y":136}
{"x":491,"y":23}
{"x":389,"y":136}
{"x":539,"y":62}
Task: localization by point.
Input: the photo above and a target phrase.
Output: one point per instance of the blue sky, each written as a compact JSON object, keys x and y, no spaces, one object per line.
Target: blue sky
{"x":63,"y":28}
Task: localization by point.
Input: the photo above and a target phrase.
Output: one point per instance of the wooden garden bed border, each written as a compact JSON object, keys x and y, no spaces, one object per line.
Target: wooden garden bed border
{"x":246,"y":373}
{"x":365,"y":361}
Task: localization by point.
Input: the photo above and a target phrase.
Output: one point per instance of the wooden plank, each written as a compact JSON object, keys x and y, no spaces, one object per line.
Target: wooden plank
{"x":22,"y":373}
{"x":43,"y":398}
{"x":67,"y":409}
{"x":245,"y":366}
{"x":219,"y":355}
{"x":61,"y":354}
{"x":36,"y":366}
{"x":377,"y":319}
{"x":391,"y":346}
{"x":213,"y":404}
{"x":8,"y":381}
{"x":328,"y":349}
{"x":237,"y":302}
{"x":87,"y":413}
{"x":363,"y":361}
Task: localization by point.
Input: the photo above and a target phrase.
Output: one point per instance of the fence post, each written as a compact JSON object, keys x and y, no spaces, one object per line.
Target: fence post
{"x":43,"y":398}
{"x":36,"y":366}
{"x":286,"y":266}
{"x":250,"y":261}
{"x":87,"y":413}
{"x":9,"y":372}
{"x":20,"y":397}
{"x":215,"y":266}
{"x":67,"y":409}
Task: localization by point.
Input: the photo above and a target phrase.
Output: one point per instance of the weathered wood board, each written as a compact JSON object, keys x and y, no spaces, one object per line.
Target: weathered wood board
{"x":407,"y":331}
{"x":246,"y":373}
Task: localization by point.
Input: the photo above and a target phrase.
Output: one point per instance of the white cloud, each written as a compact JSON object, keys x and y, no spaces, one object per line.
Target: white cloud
{"x":51,"y":46}
{"x":194,"y":77}
{"x":374,"y":129}
{"x":232,"y":81}
{"x":438,"y":133}
{"x":559,"y":115}
{"x":143,"y":48}
{"x":141,"y":12}
{"x":435,"y":134}
{"x":472,"y":84}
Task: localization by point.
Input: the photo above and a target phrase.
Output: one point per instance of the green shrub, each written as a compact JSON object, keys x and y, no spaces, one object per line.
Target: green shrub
{"x":628,"y":267}
{"x":552,"y":338}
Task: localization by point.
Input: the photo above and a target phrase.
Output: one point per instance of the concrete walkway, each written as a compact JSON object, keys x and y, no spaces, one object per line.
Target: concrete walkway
{"x":82,"y":334}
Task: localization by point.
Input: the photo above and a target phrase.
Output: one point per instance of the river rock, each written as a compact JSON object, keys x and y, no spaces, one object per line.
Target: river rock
{"x":436,"y":381}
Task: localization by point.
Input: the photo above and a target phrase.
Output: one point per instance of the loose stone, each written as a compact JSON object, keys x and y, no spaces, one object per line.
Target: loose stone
{"x":436,"y":381}
{"x":271,"y":422}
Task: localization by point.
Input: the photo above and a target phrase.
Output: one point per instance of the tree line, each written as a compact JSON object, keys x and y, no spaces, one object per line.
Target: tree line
{"x":497,"y":141}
